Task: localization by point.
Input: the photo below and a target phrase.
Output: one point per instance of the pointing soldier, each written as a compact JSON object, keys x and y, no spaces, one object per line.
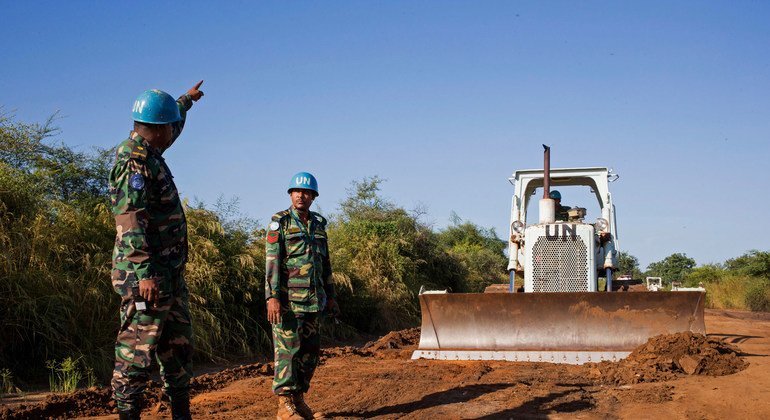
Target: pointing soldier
{"x":149,"y":258}
{"x":298,"y":288}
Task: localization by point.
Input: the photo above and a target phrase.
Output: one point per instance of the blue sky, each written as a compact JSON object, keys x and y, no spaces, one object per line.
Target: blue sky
{"x":443,"y":99}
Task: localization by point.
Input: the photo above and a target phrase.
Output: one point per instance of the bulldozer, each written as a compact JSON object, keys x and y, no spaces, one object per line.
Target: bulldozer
{"x":563,"y":313}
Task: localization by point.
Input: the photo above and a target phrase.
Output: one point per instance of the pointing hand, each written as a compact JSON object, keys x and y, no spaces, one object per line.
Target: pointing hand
{"x":195,"y":92}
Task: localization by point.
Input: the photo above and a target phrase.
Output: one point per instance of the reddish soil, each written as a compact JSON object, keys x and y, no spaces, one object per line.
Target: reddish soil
{"x":666,"y":357}
{"x":674,"y":376}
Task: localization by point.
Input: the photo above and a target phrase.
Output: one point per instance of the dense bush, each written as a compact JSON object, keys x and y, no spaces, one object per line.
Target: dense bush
{"x":382,"y":255}
{"x":57,"y":234}
{"x":55,"y":295}
{"x":753,"y":263}
{"x":706,"y":274}
{"x":758,"y":297}
{"x":739,"y":283}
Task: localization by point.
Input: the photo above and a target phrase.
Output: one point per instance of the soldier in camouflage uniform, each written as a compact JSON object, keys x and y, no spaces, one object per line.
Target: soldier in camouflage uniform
{"x":298,"y":289}
{"x":561,"y":211}
{"x":149,"y":258}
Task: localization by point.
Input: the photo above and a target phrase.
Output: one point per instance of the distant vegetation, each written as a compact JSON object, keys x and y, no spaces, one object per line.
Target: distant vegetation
{"x":58,"y":309}
{"x":738,"y":283}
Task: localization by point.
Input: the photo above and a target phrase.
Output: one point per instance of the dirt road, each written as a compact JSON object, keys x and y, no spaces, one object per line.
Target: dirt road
{"x":383,"y":383}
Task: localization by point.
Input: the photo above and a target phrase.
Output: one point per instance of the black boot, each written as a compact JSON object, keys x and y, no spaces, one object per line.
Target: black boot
{"x":180,"y":404}
{"x":132,"y":414}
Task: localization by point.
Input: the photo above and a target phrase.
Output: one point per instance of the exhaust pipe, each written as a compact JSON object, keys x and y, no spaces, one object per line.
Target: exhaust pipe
{"x":547,"y":204}
{"x":546,"y":172}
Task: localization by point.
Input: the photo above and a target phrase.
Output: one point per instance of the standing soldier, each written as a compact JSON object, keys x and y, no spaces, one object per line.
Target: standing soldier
{"x":149,"y":258}
{"x":298,"y":287}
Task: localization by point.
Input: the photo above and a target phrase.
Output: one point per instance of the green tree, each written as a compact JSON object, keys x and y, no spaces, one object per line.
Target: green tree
{"x":62,"y":173}
{"x":753,"y":263}
{"x":672,"y":268}
{"x":628,"y":264}
{"x":709,"y":273}
{"x":382,"y":255}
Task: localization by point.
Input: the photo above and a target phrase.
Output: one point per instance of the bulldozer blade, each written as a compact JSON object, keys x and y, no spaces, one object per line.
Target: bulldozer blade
{"x":570,"y":328}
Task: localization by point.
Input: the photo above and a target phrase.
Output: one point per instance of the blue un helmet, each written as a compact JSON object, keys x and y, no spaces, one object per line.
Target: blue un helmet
{"x":555,"y":194}
{"x":303,"y":181}
{"x":156,"y":107}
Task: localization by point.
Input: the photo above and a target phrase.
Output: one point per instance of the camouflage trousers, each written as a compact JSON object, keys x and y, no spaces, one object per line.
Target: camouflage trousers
{"x":164,"y":333}
{"x":297,"y":344}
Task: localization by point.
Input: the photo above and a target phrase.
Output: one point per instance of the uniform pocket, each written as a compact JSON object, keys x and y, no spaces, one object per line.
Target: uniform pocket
{"x":295,"y":244}
{"x":299,"y":295}
{"x":299,"y":283}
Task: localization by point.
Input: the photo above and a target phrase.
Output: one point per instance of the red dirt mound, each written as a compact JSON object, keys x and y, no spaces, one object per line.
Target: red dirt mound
{"x":218,"y":380}
{"x":84,"y":402}
{"x":342,"y":351}
{"x":404,"y":339}
{"x":665,"y":357}
{"x":394,"y":345}
{"x":98,"y":401}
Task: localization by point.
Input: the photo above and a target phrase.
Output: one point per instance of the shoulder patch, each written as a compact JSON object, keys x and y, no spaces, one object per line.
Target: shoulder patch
{"x":136,"y":182}
{"x":280,"y":215}
{"x":139,"y":152}
{"x":273,"y":226}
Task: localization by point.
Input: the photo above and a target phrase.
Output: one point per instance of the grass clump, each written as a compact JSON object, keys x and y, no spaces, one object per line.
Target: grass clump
{"x":64,"y":376}
{"x":7,"y":385}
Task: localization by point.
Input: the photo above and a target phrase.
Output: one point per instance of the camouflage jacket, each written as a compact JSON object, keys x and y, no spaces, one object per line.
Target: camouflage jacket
{"x":297,"y":269}
{"x":151,"y":241}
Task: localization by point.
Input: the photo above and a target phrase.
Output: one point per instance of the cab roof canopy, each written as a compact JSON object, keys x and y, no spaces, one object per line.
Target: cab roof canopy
{"x":526,"y":181}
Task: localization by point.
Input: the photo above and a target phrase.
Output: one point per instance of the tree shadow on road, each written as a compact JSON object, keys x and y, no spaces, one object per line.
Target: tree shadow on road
{"x":450,"y":396}
{"x":541,"y":407}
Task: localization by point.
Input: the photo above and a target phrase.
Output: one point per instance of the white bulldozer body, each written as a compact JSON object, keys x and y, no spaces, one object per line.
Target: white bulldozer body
{"x":564,"y":316}
{"x":562,"y":256}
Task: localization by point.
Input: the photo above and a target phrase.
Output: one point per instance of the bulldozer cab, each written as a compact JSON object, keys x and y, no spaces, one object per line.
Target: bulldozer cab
{"x":528,"y":182}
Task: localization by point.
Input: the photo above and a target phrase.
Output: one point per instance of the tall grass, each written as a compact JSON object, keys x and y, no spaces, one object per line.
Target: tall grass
{"x":64,"y":377}
{"x":7,"y":384}
{"x":225,"y":274}
{"x":54,"y":300}
{"x":57,"y":234}
{"x":738,"y":284}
